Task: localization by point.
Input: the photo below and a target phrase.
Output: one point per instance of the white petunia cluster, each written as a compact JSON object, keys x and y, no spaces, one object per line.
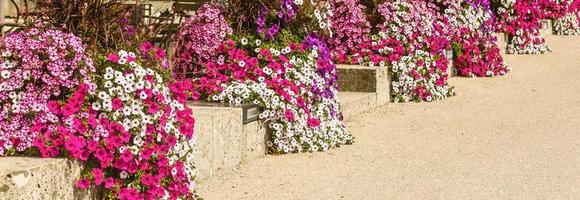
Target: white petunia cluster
{"x":138,"y":93}
{"x":404,"y":88}
{"x":286,"y":119}
{"x":567,"y":25}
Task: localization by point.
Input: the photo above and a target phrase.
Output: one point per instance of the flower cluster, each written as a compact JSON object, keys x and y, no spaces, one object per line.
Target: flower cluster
{"x":567,"y":25}
{"x":294,"y":85}
{"x":412,"y":42}
{"x":37,"y":65}
{"x":199,"y":37}
{"x":569,"y":22}
{"x":134,"y":132}
{"x":296,"y":16}
{"x":520,"y":20}
{"x":351,"y":30}
{"x":476,"y":53}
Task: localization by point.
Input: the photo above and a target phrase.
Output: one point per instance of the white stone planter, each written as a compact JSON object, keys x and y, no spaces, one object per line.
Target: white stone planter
{"x":451,"y":71}
{"x":24,"y":178}
{"x":502,"y":42}
{"x":362,"y":88}
{"x":546,"y":28}
{"x":223,"y":139}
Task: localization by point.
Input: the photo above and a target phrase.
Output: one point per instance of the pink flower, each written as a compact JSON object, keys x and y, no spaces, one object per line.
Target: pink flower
{"x":145,"y":47}
{"x":313,"y":122}
{"x":290,"y":115}
{"x":83,"y":183}
{"x":117,"y":103}
{"x":114,"y":58}
{"x":109,"y":183}
{"x":97,"y":176}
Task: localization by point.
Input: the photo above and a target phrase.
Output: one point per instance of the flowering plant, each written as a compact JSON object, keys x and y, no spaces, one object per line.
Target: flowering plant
{"x":277,"y":61}
{"x":134,"y":132}
{"x":37,"y":65}
{"x":293,"y":84}
{"x":269,"y":18}
{"x":199,"y":37}
{"x":351,"y":31}
{"x":569,"y":22}
{"x":520,"y":20}
{"x":413,"y":42}
{"x":475,"y":50}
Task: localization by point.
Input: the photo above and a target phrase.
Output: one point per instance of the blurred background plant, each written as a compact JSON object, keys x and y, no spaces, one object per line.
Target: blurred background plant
{"x":103,"y":24}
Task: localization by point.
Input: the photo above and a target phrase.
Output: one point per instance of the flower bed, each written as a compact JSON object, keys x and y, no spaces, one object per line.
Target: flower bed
{"x":521,"y":21}
{"x":122,"y":119}
{"x":568,"y":23}
{"x":288,"y":73}
{"x":475,"y":50}
{"x":412,"y":42}
{"x":36,"y":66}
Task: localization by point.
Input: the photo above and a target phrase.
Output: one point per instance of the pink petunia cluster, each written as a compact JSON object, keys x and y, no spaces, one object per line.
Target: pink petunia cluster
{"x":412,"y":42}
{"x":294,"y":86}
{"x":351,"y":30}
{"x":37,"y":66}
{"x":134,"y":132}
{"x":198,"y":39}
{"x":568,"y":22}
{"x":474,"y":45}
{"x":521,"y":21}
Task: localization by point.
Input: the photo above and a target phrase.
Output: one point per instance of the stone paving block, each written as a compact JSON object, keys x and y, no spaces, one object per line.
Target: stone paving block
{"x":24,"y":178}
{"x":451,"y":71}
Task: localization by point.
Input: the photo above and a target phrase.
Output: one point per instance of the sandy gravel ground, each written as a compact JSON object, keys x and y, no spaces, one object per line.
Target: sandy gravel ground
{"x":513,"y":137}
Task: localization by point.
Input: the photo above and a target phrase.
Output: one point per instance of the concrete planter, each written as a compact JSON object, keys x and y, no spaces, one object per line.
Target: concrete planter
{"x":356,"y":78}
{"x":451,"y":71}
{"x":502,"y":42}
{"x":362,"y":88}
{"x":41,"y":178}
{"x":223,"y":139}
{"x":546,"y":28}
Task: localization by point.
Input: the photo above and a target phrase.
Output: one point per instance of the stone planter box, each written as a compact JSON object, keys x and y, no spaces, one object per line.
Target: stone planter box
{"x":546,"y":28}
{"x":223,"y":139}
{"x":356,"y":78}
{"x":451,"y":71}
{"x":353,"y":104}
{"x":502,"y":42}
{"x":23,"y":178}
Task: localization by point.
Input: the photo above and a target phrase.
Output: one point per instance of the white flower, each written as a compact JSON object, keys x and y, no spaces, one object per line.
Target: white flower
{"x":143,"y":95}
{"x":244,"y":41}
{"x":123,"y":174}
{"x":96,"y":106}
{"x":5,"y":74}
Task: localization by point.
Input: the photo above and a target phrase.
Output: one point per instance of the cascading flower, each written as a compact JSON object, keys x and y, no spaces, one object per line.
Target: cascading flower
{"x":412,"y":42}
{"x":199,"y":37}
{"x":351,"y":30}
{"x":520,"y":20}
{"x":37,"y":65}
{"x":470,"y":28}
{"x":295,"y":87}
{"x":568,"y":21}
{"x":134,"y":132}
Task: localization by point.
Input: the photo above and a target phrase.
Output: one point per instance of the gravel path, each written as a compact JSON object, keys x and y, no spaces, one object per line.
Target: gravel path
{"x":512,"y":137}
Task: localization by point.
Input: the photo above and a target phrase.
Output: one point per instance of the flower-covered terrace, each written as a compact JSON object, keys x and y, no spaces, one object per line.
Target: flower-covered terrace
{"x":192,"y":99}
